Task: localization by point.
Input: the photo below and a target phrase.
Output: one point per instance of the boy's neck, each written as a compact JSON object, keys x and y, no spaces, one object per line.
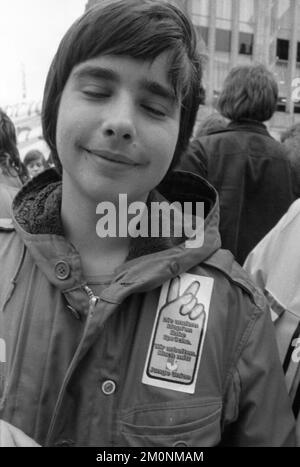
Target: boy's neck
{"x":98,"y":255}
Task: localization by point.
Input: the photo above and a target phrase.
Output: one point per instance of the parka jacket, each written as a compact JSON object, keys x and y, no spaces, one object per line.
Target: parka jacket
{"x":178,"y":350}
{"x":252,"y":175}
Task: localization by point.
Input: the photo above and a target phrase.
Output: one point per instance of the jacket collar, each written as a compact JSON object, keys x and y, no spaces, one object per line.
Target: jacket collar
{"x":248,"y":125}
{"x":151,"y":261}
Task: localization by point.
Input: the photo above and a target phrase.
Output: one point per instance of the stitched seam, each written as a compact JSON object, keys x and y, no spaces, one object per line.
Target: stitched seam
{"x":170,"y":428}
{"x":171,"y":407}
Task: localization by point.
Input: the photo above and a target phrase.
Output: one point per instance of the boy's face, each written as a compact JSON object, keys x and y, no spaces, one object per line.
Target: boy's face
{"x":117,"y":127}
{"x":35,"y":167}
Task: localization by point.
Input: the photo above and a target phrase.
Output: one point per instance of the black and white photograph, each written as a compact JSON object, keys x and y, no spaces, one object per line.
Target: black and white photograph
{"x":149,"y":207}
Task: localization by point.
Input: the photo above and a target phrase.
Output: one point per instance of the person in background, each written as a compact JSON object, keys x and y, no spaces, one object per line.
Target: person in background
{"x":246,"y":165}
{"x":12,"y":172}
{"x":129,"y":340}
{"x":290,"y":139}
{"x":35,"y":162}
{"x":274,"y":265}
{"x":214,"y":123}
{"x":290,"y":132}
{"x":193,"y":159}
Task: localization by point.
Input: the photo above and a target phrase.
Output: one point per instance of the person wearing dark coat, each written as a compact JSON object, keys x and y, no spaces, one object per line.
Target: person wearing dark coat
{"x":12,"y":170}
{"x":13,"y":174}
{"x":246,"y":165}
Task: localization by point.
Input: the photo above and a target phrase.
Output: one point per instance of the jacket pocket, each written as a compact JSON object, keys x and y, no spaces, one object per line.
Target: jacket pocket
{"x":167,"y":425}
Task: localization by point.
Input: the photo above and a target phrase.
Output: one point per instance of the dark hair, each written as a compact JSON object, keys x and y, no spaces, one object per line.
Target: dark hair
{"x":249,"y":92}
{"x":10,"y":161}
{"x":141,"y":29}
{"x":34,"y":155}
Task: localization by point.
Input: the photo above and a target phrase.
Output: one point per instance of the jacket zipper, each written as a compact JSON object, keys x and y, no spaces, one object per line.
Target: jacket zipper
{"x":93,"y":300}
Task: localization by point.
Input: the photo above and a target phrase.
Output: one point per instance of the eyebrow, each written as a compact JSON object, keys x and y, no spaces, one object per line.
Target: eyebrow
{"x":96,"y":72}
{"x":153,"y":87}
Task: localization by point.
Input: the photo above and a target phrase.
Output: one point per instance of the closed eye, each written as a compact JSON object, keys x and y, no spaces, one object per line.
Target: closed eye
{"x":96,"y":94}
{"x":154,"y":110}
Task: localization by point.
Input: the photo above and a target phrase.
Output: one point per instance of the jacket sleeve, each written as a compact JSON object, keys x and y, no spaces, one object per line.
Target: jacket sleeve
{"x":10,"y":436}
{"x":264,"y":416}
{"x":273,"y":264}
{"x":257,"y":263}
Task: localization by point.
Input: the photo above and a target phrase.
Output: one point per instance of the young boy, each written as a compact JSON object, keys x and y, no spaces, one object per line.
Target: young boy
{"x":35,"y":162}
{"x":124,"y":340}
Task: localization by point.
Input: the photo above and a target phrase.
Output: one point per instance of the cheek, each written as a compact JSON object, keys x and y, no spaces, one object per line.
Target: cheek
{"x":60,"y":130}
{"x":65,"y":132}
{"x":73,"y":126}
{"x":165,"y":145}
{"x":66,"y":118}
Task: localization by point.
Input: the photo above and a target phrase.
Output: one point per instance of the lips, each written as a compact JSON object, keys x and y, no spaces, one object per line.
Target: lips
{"x":111,"y":156}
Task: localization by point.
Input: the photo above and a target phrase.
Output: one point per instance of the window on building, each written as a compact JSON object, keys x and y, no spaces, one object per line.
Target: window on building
{"x":223,"y":39}
{"x":245,"y":43}
{"x":204,"y":33}
{"x":282,"y":49}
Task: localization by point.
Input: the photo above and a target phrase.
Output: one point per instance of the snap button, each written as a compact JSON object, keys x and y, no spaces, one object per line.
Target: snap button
{"x":259,"y":299}
{"x":62,"y":270}
{"x":180,"y":444}
{"x":108,"y":387}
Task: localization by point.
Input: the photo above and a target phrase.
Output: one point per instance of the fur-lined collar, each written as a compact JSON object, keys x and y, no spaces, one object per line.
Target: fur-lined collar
{"x":37,"y":206}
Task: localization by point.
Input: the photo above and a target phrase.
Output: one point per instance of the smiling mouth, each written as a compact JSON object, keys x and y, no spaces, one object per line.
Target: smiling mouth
{"x":113,"y":157}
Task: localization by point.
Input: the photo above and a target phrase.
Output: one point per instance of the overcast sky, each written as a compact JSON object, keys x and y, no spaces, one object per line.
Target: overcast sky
{"x":30,"y":31}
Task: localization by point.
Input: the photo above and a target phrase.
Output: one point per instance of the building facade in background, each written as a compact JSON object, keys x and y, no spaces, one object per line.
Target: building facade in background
{"x":237,"y":32}
{"x":26,"y":117}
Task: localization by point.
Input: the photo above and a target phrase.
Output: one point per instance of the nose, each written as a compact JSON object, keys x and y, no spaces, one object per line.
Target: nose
{"x":119,"y":124}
